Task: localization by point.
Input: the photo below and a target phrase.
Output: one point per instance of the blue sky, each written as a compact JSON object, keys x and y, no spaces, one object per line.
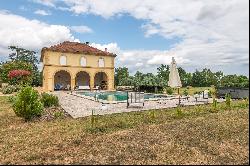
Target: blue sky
{"x":144,"y":34}
{"x":125,"y":31}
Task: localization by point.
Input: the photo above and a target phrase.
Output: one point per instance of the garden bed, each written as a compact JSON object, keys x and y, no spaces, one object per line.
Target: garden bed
{"x":52,"y":113}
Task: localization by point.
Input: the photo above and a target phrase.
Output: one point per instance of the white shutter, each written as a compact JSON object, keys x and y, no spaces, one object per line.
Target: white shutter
{"x":83,"y":61}
{"x":101,"y":62}
{"x":63,"y":60}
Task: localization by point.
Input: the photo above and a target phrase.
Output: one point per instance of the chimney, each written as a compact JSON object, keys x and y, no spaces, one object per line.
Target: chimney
{"x":106,"y":49}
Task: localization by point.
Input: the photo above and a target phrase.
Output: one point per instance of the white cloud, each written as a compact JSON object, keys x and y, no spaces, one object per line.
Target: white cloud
{"x":42,"y":12}
{"x":139,"y":64}
{"x":50,"y":3}
{"x":214,"y":33}
{"x":111,"y":47}
{"x":81,"y":29}
{"x":30,"y":34}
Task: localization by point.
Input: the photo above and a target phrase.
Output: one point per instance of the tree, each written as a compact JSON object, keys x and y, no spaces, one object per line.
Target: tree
{"x":197,"y":79}
{"x":218,"y":75}
{"x":149,"y":80}
{"x":138,"y":77}
{"x":186,"y":78}
{"x":28,"y":56}
{"x":235,"y":81}
{"x":163,"y":74}
{"x":121,"y":76}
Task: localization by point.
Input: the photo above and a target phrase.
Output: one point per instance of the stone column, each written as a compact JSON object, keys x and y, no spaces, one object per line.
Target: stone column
{"x":73,"y":83}
{"x":111,"y":80}
{"x":92,"y":81}
{"x":50,"y":85}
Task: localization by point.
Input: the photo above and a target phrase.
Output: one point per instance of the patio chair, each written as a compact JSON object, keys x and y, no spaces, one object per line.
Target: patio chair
{"x":58,"y":87}
{"x":96,"y":88}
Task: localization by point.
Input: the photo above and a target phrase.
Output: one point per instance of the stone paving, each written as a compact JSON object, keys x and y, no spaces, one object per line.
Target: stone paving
{"x":80,"y":107}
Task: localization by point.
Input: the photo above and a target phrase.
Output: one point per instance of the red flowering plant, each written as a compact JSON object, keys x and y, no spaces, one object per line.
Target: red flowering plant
{"x":20,"y":76}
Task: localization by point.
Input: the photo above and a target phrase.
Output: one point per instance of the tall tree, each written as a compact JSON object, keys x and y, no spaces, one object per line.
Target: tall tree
{"x":186,"y":78}
{"x":163,"y":74}
{"x":121,"y":76}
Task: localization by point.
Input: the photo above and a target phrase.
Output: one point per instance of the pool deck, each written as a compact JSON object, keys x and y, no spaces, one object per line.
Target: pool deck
{"x":79,"y":106}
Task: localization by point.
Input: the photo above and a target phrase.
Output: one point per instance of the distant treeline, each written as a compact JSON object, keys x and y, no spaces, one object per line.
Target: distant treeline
{"x":202,"y":78}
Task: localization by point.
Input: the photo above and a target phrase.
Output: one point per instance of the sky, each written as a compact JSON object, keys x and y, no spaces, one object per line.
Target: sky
{"x":143,"y":33}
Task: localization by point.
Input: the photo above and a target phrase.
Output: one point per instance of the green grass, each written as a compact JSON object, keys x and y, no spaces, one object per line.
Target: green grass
{"x":196,"y":135}
{"x":192,"y":90}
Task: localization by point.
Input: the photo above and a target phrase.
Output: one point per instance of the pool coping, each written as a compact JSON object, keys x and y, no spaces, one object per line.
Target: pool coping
{"x":117,"y":102}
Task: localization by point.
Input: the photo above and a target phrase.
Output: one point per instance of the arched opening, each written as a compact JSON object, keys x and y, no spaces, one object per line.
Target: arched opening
{"x":101,"y":81}
{"x":82,"y":80}
{"x":62,"y":80}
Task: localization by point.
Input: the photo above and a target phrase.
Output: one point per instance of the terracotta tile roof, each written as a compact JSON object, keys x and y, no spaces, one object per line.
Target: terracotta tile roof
{"x":75,"y":47}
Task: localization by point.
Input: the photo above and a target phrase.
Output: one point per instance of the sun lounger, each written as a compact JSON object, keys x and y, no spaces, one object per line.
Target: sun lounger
{"x":96,"y":88}
{"x":83,"y":88}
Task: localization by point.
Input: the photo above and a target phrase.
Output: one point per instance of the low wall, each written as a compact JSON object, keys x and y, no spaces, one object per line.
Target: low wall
{"x":235,"y":93}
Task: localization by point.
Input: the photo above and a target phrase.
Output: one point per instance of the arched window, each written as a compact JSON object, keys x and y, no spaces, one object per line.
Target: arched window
{"x":83,"y":61}
{"x":63,"y":60}
{"x":101,"y":62}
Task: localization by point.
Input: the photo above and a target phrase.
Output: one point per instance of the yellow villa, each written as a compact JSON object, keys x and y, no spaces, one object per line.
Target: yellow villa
{"x":73,"y":65}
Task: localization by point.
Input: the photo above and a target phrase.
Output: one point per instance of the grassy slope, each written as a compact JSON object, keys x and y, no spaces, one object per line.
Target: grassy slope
{"x":196,"y":137}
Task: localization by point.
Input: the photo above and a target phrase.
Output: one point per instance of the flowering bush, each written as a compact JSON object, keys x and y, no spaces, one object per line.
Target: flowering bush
{"x":20,"y":76}
{"x":12,"y":72}
{"x":18,"y":73}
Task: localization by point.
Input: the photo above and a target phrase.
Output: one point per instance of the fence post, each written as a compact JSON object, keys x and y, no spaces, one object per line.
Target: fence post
{"x":127,"y":99}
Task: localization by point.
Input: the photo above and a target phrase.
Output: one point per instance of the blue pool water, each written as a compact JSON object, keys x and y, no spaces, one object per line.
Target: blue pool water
{"x":116,"y":96}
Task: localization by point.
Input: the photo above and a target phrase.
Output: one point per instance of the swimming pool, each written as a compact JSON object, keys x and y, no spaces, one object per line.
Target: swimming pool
{"x":117,"y":95}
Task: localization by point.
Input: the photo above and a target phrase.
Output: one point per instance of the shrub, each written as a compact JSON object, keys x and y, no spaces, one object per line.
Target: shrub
{"x":10,"y":89}
{"x":151,"y":116}
{"x":185,"y":92}
{"x":49,"y":100}
{"x":11,"y":99}
{"x":20,"y":77}
{"x":170,"y":91}
{"x":209,"y":93}
{"x":27,"y":103}
{"x":7,"y":68}
{"x":215,"y":105}
{"x":228,"y":100}
{"x":58,"y":114}
{"x":179,"y":112}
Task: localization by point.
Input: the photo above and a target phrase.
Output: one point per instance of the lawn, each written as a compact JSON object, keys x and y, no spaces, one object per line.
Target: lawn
{"x":193,"y":90}
{"x":194,"y":135}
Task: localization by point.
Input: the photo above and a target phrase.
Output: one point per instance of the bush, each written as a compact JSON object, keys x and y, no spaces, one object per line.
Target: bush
{"x":7,"y":67}
{"x":49,"y":100}
{"x":11,"y":99}
{"x":185,"y":92}
{"x":214,"y":106}
{"x":10,"y":89}
{"x":209,"y":93}
{"x":179,"y":112}
{"x":170,"y":91}
{"x":27,"y":103}
{"x":228,"y":100}
{"x":58,"y":114}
